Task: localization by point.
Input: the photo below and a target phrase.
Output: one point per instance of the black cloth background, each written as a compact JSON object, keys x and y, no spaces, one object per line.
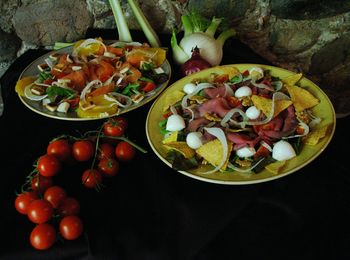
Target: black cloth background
{"x":150,"y":211}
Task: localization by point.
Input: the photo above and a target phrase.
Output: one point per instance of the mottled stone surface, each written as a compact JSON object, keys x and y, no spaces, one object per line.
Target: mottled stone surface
{"x":103,"y":15}
{"x":45,"y":22}
{"x":7,"y":10}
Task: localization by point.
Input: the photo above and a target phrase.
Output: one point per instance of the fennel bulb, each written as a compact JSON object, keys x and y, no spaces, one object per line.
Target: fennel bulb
{"x":198,"y":34}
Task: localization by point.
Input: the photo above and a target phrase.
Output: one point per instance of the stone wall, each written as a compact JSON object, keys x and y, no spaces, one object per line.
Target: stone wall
{"x":311,"y":36}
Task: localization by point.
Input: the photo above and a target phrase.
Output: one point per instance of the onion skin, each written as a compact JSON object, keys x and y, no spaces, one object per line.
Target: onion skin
{"x":194,"y":64}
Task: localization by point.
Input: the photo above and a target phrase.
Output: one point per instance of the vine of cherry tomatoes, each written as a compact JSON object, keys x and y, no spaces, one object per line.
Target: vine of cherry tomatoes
{"x":48,"y":205}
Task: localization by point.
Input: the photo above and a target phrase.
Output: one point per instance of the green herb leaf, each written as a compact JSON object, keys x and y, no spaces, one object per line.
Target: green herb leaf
{"x":43,"y":75}
{"x":127,"y":90}
{"x":55,"y":91}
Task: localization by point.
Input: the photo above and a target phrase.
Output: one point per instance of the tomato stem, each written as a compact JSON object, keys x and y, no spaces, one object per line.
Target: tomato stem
{"x":122,"y":138}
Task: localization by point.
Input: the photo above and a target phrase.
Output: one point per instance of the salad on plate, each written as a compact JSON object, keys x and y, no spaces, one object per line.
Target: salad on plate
{"x":95,"y":79}
{"x":239,"y":121}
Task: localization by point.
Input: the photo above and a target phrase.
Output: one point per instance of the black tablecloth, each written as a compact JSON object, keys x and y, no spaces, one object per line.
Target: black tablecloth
{"x":150,"y":211}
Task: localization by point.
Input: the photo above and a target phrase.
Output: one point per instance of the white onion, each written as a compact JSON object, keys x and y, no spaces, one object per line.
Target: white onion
{"x":228,"y":90}
{"x":230,"y":113}
{"x":29,"y":94}
{"x":261,"y":85}
{"x":85,"y":90}
{"x":198,"y":88}
{"x":210,"y":49}
{"x":275,"y":96}
{"x":118,"y":95}
{"x":231,"y":166}
{"x":306,"y":131}
{"x":256,"y":73}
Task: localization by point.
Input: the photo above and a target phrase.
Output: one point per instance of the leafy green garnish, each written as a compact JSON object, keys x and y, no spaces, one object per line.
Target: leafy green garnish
{"x":146,"y":79}
{"x":236,"y":79}
{"x":147,"y":66}
{"x":179,"y":162}
{"x":43,"y":75}
{"x":297,"y":144}
{"x":127,"y":90}
{"x":55,"y":91}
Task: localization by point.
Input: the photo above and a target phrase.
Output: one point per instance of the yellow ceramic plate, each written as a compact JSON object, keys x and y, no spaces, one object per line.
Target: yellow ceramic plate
{"x":32,"y":70}
{"x":323,"y":110}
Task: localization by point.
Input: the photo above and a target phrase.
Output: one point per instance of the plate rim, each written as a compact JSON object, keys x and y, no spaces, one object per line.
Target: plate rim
{"x":255,"y":181}
{"x":54,"y":116}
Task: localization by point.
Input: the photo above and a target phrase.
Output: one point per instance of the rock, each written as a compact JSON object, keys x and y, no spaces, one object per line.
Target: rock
{"x":103,"y":15}
{"x":231,"y":10}
{"x":7,"y":10}
{"x":9,"y":45}
{"x":4,"y":65}
{"x":43,"y":22}
{"x":305,"y":36}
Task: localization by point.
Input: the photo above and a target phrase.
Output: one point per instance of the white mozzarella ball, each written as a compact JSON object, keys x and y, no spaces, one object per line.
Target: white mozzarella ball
{"x":175,"y":123}
{"x":282,"y":150}
{"x":189,"y":88}
{"x":256,"y":72}
{"x":252,"y":112}
{"x":245,"y":152}
{"x":194,"y":140}
{"x":243,"y":92}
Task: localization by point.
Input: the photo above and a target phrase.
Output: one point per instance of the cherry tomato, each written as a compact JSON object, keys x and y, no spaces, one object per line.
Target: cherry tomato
{"x":83,"y":150}
{"x":41,"y":183}
{"x":23,"y":201}
{"x":125,"y":151}
{"x":108,"y":167}
{"x":115,"y":126}
{"x":91,"y":178}
{"x":105,"y":150}
{"x":71,"y":227}
{"x":43,"y":236}
{"x":40,"y":211}
{"x":69,"y":206}
{"x":48,"y":165}
{"x":55,"y":195}
{"x":61,"y":149}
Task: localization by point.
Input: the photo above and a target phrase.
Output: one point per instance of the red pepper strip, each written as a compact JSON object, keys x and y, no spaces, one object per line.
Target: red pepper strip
{"x":149,"y":86}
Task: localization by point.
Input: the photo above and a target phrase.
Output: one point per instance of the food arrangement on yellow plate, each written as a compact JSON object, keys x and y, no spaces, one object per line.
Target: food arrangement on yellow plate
{"x":96,"y":79}
{"x":232,"y":121}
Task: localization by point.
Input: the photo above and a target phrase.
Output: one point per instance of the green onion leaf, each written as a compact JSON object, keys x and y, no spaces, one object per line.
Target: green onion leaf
{"x":147,"y":29}
{"x":122,"y":26}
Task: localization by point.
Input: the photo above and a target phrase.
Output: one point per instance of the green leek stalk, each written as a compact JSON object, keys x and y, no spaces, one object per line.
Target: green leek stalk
{"x":60,"y":45}
{"x":151,"y":35}
{"x":122,"y":26}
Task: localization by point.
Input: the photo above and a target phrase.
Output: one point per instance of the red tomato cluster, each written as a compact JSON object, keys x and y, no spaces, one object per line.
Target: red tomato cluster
{"x":44,"y":202}
{"x":43,"y":208}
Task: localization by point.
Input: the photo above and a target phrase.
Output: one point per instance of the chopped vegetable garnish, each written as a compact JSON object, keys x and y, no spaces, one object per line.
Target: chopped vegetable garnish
{"x":96,"y":79}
